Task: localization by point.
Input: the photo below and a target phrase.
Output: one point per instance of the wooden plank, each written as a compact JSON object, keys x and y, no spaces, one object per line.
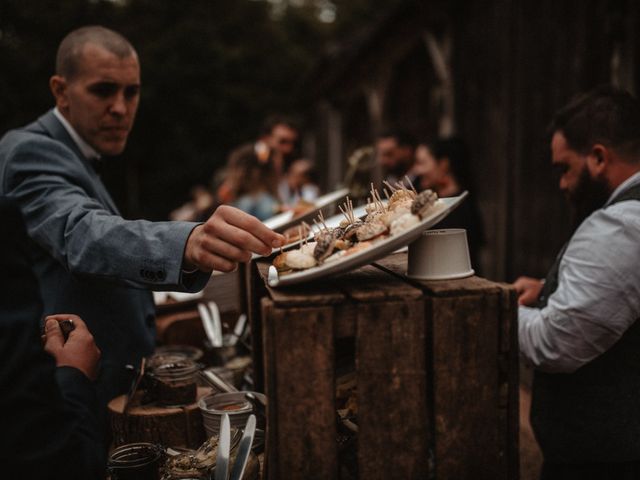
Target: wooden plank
{"x":321,"y":292}
{"x":509,"y":321}
{"x":465,"y":379}
{"x":255,"y":290}
{"x":391,"y":369}
{"x":371,"y":284}
{"x":270,"y":390}
{"x":397,"y":264}
{"x":299,"y":356}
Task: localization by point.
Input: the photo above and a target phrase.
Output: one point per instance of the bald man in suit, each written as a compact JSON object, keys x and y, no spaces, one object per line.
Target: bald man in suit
{"x":88,"y":259}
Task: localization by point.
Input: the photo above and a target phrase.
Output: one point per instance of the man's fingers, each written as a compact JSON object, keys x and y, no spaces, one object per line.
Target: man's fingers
{"x":251,"y":224}
{"x":54,"y":339}
{"x":221,"y":248}
{"x":239,"y":238}
{"x":210,"y":262}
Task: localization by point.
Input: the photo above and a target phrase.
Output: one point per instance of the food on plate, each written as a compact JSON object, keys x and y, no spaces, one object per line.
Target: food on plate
{"x":296,"y":233}
{"x":404,"y":209}
{"x":302,"y":207}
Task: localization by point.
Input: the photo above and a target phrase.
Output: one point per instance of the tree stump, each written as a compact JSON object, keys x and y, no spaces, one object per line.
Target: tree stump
{"x":168,"y":426}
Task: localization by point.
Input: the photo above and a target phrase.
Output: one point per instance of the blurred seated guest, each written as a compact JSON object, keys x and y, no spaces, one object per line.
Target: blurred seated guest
{"x":443,"y":166}
{"x":198,"y":209}
{"x":278,"y":138}
{"x":299,"y":183}
{"x":251,"y":184}
{"x":48,"y":403}
{"x":395,"y":153}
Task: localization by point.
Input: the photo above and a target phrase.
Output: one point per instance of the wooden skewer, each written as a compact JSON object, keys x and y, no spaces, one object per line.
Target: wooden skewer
{"x":390,"y":186}
{"x":411,"y":185}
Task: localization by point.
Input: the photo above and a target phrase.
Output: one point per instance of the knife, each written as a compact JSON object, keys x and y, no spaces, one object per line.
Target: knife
{"x":244,"y":449}
{"x":217,"y":323}
{"x":207,"y":323}
{"x":216,"y":382}
{"x":224,"y":444}
{"x":134,"y":385}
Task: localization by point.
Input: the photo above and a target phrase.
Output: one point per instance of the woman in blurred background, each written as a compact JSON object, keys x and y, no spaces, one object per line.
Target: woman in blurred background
{"x":251,"y":183}
{"x":443,"y":166}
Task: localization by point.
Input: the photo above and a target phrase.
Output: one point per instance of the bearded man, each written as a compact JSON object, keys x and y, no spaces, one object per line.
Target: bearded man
{"x":578,"y":328}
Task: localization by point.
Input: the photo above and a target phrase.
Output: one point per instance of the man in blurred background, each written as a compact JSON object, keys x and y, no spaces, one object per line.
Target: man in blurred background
{"x":579,"y":327}
{"x":278,"y":138}
{"x":395,"y":152}
{"x":88,"y":259}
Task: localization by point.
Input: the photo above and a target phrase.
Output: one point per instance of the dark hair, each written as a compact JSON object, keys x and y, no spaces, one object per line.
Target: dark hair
{"x":606,"y":115}
{"x":246,"y":174}
{"x":402,"y":137}
{"x":70,"y":49}
{"x":273,"y":120}
{"x":454,"y":149}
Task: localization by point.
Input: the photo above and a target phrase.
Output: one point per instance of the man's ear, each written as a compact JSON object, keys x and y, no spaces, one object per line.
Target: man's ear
{"x":598,"y":160}
{"x":58,"y":86}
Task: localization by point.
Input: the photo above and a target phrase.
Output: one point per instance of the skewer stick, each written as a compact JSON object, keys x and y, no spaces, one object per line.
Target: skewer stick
{"x":411,"y":185}
{"x":391,"y":187}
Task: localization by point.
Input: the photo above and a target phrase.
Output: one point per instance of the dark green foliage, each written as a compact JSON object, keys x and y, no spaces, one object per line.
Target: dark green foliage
{"x":211,"y":71}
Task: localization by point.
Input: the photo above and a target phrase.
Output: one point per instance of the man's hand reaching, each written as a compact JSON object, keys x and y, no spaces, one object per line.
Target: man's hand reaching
{"x":227,"y":238}
{"x":528,"y":290}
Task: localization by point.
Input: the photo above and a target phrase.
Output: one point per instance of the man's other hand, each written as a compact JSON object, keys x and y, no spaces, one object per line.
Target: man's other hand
{"x":79,"y":351}
{"x":227,"y":238}
{"x":528,"y":290}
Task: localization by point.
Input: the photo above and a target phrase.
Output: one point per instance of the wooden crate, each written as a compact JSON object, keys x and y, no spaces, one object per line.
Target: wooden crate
{"x":436,"y":368}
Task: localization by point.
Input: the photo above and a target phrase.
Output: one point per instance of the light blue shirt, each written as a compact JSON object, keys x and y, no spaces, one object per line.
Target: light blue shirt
{"x":598,"y":295}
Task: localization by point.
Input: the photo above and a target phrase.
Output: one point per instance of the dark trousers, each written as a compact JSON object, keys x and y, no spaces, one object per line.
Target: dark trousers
{"x":591,"y":471}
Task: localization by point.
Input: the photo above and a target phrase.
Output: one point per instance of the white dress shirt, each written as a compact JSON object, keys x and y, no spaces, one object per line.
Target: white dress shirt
{"x":598,"y":294}
{"x":87,"y":150}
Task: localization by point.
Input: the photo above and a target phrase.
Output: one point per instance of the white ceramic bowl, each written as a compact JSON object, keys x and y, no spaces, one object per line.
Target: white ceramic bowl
{"x":440,"y":255}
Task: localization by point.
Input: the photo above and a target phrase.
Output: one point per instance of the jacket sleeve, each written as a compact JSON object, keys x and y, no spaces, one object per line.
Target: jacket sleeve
{"x":60,"y":200}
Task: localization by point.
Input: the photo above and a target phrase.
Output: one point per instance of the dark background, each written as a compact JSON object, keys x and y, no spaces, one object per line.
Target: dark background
{"x":213,"y":70}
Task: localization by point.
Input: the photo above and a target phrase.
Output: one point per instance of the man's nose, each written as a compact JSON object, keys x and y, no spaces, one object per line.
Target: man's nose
{"x":564,"y":186}
{"x":119,"y":105}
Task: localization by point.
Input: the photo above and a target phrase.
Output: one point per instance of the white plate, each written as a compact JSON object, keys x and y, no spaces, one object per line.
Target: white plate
{"x":285,"y":220}
{"x":375,"y":252}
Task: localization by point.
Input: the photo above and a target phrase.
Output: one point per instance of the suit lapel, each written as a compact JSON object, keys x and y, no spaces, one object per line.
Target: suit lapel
{"x":56,"y":130}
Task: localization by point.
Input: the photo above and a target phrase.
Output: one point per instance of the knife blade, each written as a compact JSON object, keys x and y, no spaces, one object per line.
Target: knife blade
{"x":224,"y":444}
{"x":135,"y":383}
{"x":244,"y":449}
{"x":217,"y":382}
{"x":217,"y":323}
{"x":207,"y":323}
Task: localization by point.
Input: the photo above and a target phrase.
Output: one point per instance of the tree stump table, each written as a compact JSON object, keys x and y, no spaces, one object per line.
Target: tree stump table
{"x":436,"y":367}
{"x":168,"y":426}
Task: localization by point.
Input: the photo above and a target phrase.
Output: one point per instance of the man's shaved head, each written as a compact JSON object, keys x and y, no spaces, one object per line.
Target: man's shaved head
{"x":70,"y":49}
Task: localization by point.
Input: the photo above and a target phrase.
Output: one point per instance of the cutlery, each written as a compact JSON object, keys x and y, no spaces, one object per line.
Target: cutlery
{"x":244,"y":449}
{"x":216,"y":382}
{"x":210,"y":316}
{"x":224,"y":444}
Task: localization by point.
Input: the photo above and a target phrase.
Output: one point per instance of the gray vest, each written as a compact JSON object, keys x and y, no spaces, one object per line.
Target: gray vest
{"x":592,"y":414}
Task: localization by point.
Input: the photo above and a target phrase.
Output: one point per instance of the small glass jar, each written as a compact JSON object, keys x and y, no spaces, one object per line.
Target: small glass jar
{"x":136,"y":461}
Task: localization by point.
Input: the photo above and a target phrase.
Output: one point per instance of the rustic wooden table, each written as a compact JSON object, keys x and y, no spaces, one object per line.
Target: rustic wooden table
{"x":436,"y":368}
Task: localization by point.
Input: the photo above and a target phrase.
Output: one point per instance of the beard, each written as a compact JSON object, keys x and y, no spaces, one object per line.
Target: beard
{"x":589,"y":195}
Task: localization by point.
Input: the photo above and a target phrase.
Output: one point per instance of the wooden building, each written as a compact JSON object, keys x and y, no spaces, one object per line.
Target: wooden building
{"x":492,"y":72}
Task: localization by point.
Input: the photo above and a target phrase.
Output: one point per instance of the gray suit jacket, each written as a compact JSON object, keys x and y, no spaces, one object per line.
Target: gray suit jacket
{"x":88,"y":259}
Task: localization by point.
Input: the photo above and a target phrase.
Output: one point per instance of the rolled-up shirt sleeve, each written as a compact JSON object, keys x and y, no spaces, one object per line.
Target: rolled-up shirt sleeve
{"x":598,"y":294}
